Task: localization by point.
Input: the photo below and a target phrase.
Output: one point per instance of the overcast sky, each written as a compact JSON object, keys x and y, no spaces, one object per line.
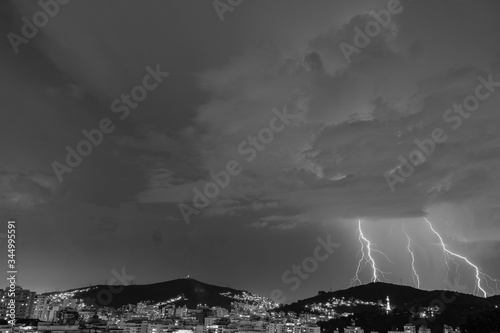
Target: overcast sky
{"x":352,"y":120}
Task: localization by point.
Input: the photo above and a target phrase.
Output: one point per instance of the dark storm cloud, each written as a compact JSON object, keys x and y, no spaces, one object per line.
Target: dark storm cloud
{"x":25,"y":191}
{"x":351,"y":122}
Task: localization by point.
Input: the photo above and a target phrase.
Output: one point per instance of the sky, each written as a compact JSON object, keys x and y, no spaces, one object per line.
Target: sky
{"x":336,"y":116}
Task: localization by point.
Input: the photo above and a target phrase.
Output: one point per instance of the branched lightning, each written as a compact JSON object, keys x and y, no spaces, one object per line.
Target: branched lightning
{"x":368,"y":247}
{"x":382,"y":253}
{"x":367,"y":258}
{"x":485,"y":285}
{"x":457,"y":266}
{"x":480,"y":276}
{"x":356,"y":279}
{"x":415,"y":277}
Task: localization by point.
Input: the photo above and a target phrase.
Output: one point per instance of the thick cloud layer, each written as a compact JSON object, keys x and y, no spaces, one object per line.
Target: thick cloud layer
{"x":349,"y":122}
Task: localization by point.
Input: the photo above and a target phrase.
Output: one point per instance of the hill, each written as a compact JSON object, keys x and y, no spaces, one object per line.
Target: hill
{"x":180,"y":292}
{"x":400,"y":296}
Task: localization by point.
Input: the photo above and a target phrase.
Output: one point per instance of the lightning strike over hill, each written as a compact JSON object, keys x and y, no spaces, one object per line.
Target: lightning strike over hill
{"x":367,"y":258}
{"x":415,"y":277}
{"x":480,"y":276}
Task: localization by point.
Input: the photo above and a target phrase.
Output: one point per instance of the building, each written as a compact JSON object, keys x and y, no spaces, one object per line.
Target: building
{"x":135,"y":326}
{"x":353,"y":329}
{"x":208,"y":321}
{"x":40,"y":308}
{"x":69,"y":303}
{"x":86,"y":314}
{"x":54,"y":328}
{"x":310,"y":329}
{"x":218,"y":329}
{"x":3,"y":304}
{"x":67,"y":316}
{"x":283,"y":328}
{"x":160,"y":326}
{"x":52,"y":311}
{"x":449,"y":329}
{"x":181,"y":312}
{"x":410,"y":328}
{"x":24,"y":301}
{"x":219,"y":312}
{"x":6,"y":329}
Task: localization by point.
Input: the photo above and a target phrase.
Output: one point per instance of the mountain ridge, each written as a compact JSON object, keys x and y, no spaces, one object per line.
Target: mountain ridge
{"x":191,"y":292}
{"x":194,"y":292}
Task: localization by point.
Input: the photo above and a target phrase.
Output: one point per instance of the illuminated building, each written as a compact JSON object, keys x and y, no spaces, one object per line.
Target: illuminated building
{"x":24,"y":300}
{"x":40,"y":308}
{"x":449,"y":329}
{"x":135,"y":326}
{"x":410,"y":328}
{"x":353,"y":329}
{"x":208,"y":321}
{"x":69,"y":302}
{"x":310,"y":329}
{"x":160,"y":326}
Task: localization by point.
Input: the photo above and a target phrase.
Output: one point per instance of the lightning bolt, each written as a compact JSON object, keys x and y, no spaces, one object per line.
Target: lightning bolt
{"x":480,"y":276}
{"x":356,"y":279}
{"x":457,"y":266}
{"x":415,"y":277}
{"x":367,"y":258}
